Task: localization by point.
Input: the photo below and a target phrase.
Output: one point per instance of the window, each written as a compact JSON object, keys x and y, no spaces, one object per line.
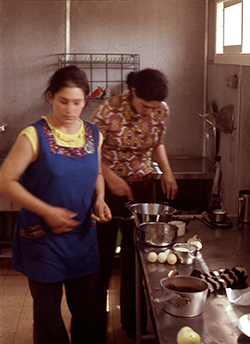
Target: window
{"x":232,"y":32}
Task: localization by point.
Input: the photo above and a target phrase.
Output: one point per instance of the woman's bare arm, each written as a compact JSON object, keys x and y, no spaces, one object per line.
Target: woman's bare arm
{"x":21,"y":155}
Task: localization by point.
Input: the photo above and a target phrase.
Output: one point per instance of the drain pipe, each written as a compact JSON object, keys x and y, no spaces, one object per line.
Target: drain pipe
{"x":67,"y":33}
{"x":205,"y":78}
{"x":238,"y":139}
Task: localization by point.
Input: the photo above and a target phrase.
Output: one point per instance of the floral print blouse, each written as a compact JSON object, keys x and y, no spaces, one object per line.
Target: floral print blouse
{"x":129,"y":138}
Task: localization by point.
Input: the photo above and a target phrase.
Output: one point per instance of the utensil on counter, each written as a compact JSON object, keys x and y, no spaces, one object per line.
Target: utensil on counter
{"x":190,"y":295}
{"x":176,"y":297}
{"x":150,"y":212}
{"x":195,"y":241}
{"x":172,"y":273}
{"x":186,"y":253}
{"x":206,"y":217}
{"x":204,"y":221}
{"x":123,"y":218}
{"x":244,"y":324}
{"x":214,"y":225}
{"x":157,"y":233}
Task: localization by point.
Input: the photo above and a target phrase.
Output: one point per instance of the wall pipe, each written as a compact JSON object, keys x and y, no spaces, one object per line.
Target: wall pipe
{"x":238,"y":138}
{"x":205,"y":78}
{"x":67,"y":33}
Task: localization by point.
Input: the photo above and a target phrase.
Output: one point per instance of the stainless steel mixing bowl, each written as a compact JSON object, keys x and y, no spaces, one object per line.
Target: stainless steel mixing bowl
{"x":157,"y":233}
{"x":151,"y":212}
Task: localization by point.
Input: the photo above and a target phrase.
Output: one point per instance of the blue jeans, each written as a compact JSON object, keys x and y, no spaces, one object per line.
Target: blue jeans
{"x":83,"y":303}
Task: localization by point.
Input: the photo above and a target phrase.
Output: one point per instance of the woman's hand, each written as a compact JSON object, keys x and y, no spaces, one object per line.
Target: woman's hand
{"x":120,"y":187}
{"x":102,"y":211}
{"x":168,"y":182}
{"x":60,"y":220}
{"x":169,"y":185}
{"x":117,"y":185}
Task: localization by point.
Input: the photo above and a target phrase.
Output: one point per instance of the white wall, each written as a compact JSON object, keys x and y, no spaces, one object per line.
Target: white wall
{"x":168,"y":34}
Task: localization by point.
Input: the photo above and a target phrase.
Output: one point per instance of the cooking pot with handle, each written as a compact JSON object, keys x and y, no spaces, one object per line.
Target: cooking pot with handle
{"x":190,"y":295}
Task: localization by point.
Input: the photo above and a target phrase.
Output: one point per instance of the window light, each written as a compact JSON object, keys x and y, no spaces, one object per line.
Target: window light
{"x":232,"y":32}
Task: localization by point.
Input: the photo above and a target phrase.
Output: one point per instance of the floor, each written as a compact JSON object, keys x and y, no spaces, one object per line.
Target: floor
{"x":16,"y":308}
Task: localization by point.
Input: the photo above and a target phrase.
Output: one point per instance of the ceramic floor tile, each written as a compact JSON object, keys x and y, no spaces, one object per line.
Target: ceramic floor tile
{"x":27,"y":313}
{"x":25,"y":325}
{"x":2,"y":277}
{"x":12,"y":301}
{"x":15,"y":279}
{"x":14,"y":272}
{"x":7,"y":338}
{"x":13,"y":289}
{"x":23,"y":338}
{"x":9,"y":318}
{"x":28,"y":301}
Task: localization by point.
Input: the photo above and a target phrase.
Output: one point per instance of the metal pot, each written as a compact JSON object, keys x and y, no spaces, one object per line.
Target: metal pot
{"x":157,"y":233}
{"x":151,"y":212}
{"x":186,"y":295}
{"x":219,"y":216}
{"x":244,"y":206}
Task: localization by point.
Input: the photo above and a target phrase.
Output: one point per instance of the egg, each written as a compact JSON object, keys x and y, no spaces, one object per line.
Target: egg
{"x":171,"y":259}
{"x":162,"y":257}
{"x":152,"y":257}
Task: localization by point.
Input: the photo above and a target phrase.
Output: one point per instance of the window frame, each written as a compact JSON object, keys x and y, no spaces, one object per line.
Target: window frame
{"x":230,"y":54}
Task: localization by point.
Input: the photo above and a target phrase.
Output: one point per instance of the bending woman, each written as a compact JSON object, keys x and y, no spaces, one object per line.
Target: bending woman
{"x":133,"y":127}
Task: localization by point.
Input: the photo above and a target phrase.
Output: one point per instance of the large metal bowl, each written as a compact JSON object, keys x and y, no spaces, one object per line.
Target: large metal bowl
{"x":157,"y":233}
{"x":151,"y":212}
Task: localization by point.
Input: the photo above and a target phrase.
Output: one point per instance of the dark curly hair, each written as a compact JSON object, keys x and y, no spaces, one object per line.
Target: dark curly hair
{"x":150,"y":84}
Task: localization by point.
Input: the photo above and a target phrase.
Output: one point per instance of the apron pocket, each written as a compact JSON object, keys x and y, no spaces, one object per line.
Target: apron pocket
{"x":33,"y":241}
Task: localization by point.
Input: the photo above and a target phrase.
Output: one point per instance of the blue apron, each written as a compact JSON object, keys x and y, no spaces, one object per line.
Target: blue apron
{"x":63,"y":177}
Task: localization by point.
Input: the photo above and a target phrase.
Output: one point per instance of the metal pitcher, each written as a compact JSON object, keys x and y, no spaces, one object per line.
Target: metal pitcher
{"x":244,"y":206}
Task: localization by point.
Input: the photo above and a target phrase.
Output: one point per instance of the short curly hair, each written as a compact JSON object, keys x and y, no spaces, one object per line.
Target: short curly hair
{"x":150,"y":84}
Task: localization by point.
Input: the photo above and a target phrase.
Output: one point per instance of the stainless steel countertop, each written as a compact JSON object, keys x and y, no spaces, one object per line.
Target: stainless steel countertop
{"x":222,"y":248}
{"x":188,"y":168}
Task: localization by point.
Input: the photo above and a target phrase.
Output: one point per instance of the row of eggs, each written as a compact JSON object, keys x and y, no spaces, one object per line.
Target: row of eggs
{"x":162,"y":257}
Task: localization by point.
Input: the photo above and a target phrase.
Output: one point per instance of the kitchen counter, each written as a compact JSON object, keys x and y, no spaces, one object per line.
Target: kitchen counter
{"x":222,"y":248}
{"x":188,"y":168}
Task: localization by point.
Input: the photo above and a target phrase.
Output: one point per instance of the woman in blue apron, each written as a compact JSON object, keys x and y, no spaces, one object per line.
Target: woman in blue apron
{"x":53,"y":172}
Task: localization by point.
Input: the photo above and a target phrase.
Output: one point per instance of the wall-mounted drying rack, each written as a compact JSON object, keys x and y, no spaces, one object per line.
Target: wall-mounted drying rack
{"x":103,"y":70}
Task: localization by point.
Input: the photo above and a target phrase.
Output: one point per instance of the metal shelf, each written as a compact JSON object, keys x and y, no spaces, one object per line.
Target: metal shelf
{"x":101,"y":69}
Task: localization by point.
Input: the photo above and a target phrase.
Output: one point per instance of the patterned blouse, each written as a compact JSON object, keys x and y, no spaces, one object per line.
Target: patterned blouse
{"x":129,"y":138}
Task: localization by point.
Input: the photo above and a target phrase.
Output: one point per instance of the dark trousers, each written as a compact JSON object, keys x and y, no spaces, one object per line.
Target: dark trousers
{"x":83,"y":303}
{"x":107,"y":233}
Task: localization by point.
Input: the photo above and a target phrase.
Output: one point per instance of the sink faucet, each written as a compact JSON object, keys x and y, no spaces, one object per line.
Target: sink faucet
{"x":3,"y":126}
